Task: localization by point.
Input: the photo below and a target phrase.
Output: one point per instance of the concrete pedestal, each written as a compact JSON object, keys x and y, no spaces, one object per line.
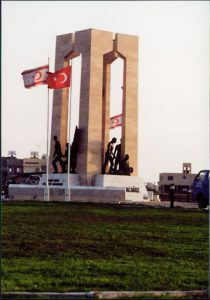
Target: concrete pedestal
{"x":134,"y":185}
{"x":58,"y":185}
{"x":107,"y":189}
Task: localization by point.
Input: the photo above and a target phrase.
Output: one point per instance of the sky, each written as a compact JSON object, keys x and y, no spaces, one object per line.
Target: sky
{"x":173,"y":75}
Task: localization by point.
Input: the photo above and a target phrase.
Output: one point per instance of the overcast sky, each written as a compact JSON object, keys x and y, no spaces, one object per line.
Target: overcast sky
{"x":173,"y":74}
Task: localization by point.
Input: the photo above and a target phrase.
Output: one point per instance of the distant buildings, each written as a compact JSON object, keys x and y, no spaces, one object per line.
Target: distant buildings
{"x":182,"y":181}
{"x":33,"y":165}
{"x":12,"y":167}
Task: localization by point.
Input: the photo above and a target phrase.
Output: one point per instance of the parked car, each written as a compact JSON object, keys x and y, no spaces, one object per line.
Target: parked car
{"x":200,"y":189}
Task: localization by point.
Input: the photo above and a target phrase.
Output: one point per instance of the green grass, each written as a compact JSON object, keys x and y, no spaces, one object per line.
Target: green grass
{"x":81,"y":247}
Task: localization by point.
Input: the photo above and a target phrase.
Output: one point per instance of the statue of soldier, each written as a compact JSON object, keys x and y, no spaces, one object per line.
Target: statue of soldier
{"x":57,"y":155}
{"x":125,"y":169}
{"x":109,"y":156}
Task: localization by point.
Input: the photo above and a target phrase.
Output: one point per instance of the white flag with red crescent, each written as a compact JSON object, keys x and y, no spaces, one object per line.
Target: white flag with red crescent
{"x":115,"y":121}
{"x":35,"y":76}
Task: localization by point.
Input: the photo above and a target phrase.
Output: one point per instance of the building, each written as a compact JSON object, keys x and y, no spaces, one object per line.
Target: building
{"x":182,"y":181}
{"x":33,"y":165}
{"x":10,"y":166}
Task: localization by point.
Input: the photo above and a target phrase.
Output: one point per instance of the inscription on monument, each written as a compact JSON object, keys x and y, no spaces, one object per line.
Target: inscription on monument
{"x":132,"y":189}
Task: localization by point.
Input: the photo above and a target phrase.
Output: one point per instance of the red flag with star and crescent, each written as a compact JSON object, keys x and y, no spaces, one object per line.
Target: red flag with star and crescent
{"x":35,"y":76}
{"x":60,"y":79}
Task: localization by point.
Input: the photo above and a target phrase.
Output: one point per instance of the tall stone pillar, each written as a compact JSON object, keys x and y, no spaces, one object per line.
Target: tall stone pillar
{"x":109,"y":58}
{"x":59,"y":126}
{"x":127,"y":47}
{"x":92,"y":44}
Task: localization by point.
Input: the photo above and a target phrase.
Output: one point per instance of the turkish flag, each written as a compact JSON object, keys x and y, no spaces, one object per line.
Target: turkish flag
{"x":60,"y":79}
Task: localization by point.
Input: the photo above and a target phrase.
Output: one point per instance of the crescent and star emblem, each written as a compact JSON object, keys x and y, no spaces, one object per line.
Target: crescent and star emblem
{"x":61,"y":80}
{"x":64,"y":77}
{"x":37,"y":76}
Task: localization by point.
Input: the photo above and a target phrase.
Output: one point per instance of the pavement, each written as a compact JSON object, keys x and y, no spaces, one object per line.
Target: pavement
{"x":194,"y":294}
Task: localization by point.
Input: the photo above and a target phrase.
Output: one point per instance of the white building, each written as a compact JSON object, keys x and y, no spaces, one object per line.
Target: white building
{"x":182,"y":181}
{"x":33,"y":165}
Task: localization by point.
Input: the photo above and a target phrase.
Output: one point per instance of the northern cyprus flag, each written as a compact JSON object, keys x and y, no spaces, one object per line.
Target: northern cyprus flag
{"x":115,"y":121}
{"x":35,"y":76}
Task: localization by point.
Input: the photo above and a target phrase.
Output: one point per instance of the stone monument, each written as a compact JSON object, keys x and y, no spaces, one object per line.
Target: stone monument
{"x":98,"y":50}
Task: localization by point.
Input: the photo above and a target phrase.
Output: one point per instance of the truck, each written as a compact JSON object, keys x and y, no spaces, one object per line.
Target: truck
{"x":200,"y":189}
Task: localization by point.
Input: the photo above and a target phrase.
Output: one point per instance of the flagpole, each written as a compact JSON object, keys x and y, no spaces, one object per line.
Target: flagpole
{"x":68,"y":196}
{"x":47,"y":196}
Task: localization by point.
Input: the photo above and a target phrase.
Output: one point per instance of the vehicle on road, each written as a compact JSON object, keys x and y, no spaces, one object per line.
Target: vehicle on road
{"x":200,"y":189}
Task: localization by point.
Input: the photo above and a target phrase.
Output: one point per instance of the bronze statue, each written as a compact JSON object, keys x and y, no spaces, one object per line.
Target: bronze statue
{"x":125,"y":169}
{"x":73,"y":154}
{"x":74,"y":151}
{"x":109,"y":157}
{"x":57,"y":155}
{"x":117,"y":156}
{"x":65,"y":158}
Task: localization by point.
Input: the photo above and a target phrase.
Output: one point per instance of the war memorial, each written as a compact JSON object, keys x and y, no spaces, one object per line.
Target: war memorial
{"x":91,"y":178}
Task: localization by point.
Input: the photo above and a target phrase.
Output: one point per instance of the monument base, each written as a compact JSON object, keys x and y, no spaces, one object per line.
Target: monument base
{"x":107,"y":189}
{"x":135,"y":189}
{"x":60,"y":190}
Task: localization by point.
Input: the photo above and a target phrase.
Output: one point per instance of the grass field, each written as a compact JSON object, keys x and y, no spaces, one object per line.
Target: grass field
{"x":86,"y":247}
